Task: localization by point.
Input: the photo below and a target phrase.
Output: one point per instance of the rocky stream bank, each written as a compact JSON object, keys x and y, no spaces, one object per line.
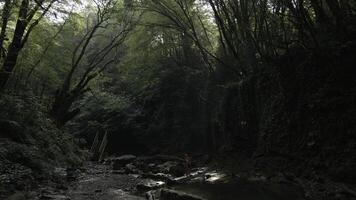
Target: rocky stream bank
{"x":159,"y":178}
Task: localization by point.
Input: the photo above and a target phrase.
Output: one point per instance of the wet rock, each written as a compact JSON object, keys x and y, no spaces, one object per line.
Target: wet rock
{"x":167,"y":194}
{"x":198,"y":179}
{"x":165,"y":167}
{"x":172,"y":167}
{"x":122,"y":195}
{"x":151,"y":167}
{"x":150,"y":185}
{"x":131,"y":169}
{"x":121,"y":171}
{"x":214,"y":177}
{"x":178,"y":170}
{"x":54,"y":197}
{"x":162,"y":177}
{"x":121,"y":161}
{"x":136,"y":175}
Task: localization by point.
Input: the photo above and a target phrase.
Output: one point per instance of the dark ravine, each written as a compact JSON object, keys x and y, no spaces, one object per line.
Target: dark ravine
{"x":292,"y":119}
{"x":178,"y":99}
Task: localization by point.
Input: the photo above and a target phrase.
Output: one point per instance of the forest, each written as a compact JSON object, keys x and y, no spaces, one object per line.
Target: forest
{"x":178,"y":99}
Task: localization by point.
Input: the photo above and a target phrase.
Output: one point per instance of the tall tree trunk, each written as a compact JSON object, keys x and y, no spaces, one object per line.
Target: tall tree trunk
{"x":5,"y":18}
{"x":21,"y":34}
{"x":16,"y":45}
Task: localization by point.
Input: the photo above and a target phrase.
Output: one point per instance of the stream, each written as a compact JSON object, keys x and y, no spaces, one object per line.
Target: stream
{"x":130,"y":181}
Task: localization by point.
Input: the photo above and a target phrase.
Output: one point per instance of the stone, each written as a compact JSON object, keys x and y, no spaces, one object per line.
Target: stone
{"x":131,"y":169}
{"x":120,"y":171}
{"x":121,"y":161}
{"x":165,"y":167}
{"x":167,"y":194}
{"x":136,"y":175}
{"x":198,"y":179}
{"x":54,"y":197}
{"x":213,"y":177}
{"x":177,"y":170}
{"x":152,"y":165}
{"x":149,"y":184}
{"x":162,"y":177}
{"x":172,"y":167}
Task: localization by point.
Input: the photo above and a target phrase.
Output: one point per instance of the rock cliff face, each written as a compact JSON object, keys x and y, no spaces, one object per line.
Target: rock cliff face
{"x":297,"y":112}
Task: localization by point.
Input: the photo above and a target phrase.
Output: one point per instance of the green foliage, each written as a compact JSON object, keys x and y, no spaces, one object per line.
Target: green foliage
{"x":166,"y":74}
{"x":44,"y":145}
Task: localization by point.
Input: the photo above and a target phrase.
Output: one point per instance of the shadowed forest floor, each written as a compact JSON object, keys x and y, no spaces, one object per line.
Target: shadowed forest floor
{"x":97,"y":181}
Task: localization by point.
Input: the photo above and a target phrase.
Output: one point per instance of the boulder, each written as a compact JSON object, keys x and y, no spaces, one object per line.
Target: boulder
{"x":131,"y":169}
{"x":165,"y":167}
{"x":121,"y":161}
{"x":172,"y":167}
{"x":167,"y":194}
{"x":177,"y":170}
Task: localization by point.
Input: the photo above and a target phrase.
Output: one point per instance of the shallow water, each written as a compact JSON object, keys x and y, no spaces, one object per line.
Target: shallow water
{"x":242,"y":190}
{"x":99,"y":183}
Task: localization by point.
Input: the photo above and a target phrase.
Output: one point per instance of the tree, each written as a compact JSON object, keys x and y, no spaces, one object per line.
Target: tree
{"x":5,"y":19}
{"x":25,"y":23}
{"x":95,"y":51}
